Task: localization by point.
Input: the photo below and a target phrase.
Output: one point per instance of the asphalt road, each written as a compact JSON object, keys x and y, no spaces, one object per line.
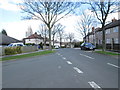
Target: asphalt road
{"x":67,"y":68}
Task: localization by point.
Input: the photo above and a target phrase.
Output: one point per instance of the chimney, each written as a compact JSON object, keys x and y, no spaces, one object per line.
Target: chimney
{"x":93,"y":28}
{"x":113,"y":20}
{"x":35,"y":32}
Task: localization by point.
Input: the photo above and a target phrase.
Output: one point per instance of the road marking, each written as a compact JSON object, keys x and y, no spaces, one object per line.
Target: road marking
{"x":59,"y":67}
{"x":87,"y":56}
{"x":64,"y":58}
{"x":113,"y":65}
{"x":58,"y":54}
{"x":61,"y":55}
{"x":94,"y":85}
{"x":68,"y":62}
{"x":77,"y":48}
{"x":77,"y":69}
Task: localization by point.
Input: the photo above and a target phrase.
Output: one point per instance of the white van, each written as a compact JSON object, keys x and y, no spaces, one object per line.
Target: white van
{"x":15,"y":44}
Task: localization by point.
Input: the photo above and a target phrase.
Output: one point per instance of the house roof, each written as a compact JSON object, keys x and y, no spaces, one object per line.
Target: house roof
{"x":110,"y":25}
{"x":98,"y":29}
{"x":34,"y":36}
{"x":113,"y":24}
{"x":7,"y":39}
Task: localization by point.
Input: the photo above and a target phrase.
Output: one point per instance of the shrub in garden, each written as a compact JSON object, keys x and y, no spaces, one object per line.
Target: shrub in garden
{"x":12,"y":50}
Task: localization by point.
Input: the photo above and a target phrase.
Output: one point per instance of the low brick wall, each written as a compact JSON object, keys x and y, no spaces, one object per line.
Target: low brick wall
{"x":45,"y":47}
{"x":24,"y":49}
{"x":2,"y":51}
{"x":29,"y":49}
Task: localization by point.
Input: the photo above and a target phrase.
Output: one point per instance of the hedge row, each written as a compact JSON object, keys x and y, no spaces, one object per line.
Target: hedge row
{"x":13,"y":50}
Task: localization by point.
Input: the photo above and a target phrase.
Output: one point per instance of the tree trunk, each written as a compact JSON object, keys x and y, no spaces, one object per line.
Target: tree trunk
{"x":85,"y":39}
{"x":88,"y":38}
{"x":119,"y":39}
{"x":50,"y":47}
{"x":53,"y":40}
{"x":60,"y":42}
{"x":70,"y":43}
{"x":103,"y":39}
{"x":112,"y":44}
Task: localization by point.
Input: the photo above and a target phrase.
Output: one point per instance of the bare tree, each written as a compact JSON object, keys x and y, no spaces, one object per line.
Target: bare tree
{"x":48,"y":11}
{"x":60,"y":32}
{"x":65,"y":37}
{"x":43,"y":31}
{"x":55,"y":30}
{"x":84,"y":24}
{"x":102,"y":8}
{"x":71,"y":37}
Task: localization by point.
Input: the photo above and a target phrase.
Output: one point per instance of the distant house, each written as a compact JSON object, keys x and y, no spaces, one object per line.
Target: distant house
{"x":112,"y":36}
{"x":5,"y":40}
{"x":34,"y":39}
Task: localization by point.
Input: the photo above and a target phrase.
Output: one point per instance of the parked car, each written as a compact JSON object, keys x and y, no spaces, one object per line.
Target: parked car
{"x":15,"y":44}
{"x":87,"y":46}
{"x":57,"y":47}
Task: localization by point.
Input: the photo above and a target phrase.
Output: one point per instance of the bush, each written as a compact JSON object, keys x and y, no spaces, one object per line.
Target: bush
{"x":12,"y":50}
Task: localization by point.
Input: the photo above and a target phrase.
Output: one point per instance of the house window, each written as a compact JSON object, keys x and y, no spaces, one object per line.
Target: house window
{"x":108,"y":41}
{"x":115,"y":29}
{"x":116,"y":40}
{"x":108,"y":31}
{"x":100,"y":32}
{"x":99,"y":42}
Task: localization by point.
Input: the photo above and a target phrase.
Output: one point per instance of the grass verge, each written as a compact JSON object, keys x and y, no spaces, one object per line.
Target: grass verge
{"x":107,"y":53}
{"x":27,"y":55}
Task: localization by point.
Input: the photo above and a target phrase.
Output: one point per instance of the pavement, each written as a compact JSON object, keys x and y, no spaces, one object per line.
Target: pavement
{"x":67,"y":68}
{"x":114,"y":56}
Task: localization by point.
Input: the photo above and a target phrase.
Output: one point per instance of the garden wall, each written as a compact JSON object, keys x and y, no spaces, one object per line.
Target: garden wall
{"x":24,"y":49}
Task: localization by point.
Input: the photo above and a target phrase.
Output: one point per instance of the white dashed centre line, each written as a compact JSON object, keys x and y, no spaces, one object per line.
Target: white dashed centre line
{"x":94,"y":85}
{"x":59,"y":67}
{"x":58,"y":54}
{"x":87,"y":56}
{"x":77,"y":48}
{"x":113,"y":65}
{"x":77,"y":69}
{"x":68,"y":62}
{"x":64,"y":58}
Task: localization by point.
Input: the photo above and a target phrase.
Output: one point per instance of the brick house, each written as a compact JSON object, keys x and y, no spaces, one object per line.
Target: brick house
{"x":112,"y":36}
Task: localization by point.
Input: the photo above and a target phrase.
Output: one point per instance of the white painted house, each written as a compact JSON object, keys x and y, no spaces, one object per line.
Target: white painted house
{"x":34,"y":38}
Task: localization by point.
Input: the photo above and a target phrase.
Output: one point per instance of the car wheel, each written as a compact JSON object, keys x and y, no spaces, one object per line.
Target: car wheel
{"x":81,"y":48}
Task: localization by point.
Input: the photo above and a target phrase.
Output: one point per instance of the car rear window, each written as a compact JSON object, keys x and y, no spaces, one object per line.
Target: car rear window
{"x":10,"y":45}
{"x":88,"y":44}
{"x":19,"y":45}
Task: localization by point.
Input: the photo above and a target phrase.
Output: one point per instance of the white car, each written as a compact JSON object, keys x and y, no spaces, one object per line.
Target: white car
{"x":56,"y":47}
{"x":15,"y":44}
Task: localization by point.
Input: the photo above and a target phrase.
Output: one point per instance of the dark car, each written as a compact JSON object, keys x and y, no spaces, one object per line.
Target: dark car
{"x":87,"y":46}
